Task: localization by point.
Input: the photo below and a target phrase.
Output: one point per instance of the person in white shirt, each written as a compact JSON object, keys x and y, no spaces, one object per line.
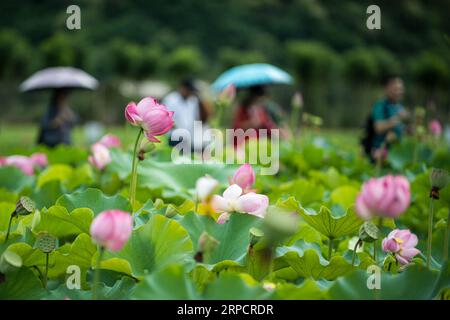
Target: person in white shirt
{"x":188,"y":108}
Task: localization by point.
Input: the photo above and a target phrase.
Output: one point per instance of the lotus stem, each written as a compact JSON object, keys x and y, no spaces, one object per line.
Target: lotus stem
{"x":330,"y":248}
{"x":96,"y":282}
{"x":446,"y":237}
{"x":133,"y":181}
{"x":47,"y":255}
{"x":375,"y":245}
{"x":9,"y":227}
{"x":430,"y":234}
{"x":354,"y":251}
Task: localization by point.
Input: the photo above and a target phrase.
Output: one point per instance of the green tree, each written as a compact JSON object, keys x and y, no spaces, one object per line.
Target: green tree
{"x":184,"y":61}
{"x":229,"y":57}
{"x":430,"y":70}
{"x":126,"y":58}
{"x":311,"y":61}
{"x":15,"y":55}
{"x":360,"y":66}
{"x":64,"y":50}
{"x":150,"y":59}
{"x":386,"y":62}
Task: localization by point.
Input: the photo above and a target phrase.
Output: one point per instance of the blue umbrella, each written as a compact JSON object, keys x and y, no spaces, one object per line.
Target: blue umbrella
{"x":248,"y":75}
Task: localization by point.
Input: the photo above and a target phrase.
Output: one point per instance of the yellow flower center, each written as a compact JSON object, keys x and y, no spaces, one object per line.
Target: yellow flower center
{"x":398,"y":240}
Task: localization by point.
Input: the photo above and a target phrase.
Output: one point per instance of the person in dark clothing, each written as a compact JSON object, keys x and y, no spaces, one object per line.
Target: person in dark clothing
{"x":58,"y":121}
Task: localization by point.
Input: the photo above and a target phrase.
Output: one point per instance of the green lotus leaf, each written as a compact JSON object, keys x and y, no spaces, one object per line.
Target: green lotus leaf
{"x":58,"y":172}
{"x":308,"y":290}
{"x":170,"y":283}
{"x":232,"y":286}
{"x":308,"y":192}
{"x":47,"y":194}
{"x":6,"y":208}
{"x":152,"y":246}
{"x":81,"y":176}
{"x":324,"y":221}
{"x":415,"y":283}
{"x":21,"y":284}
{"x":63,"y":154}
{"x":7,"y":196}
{"x":93,"y":199}
{"x":79,"y":254}
{"x":233,"y":236}
{"x":31,"y":257}
{"x":308,"y":263}
{"x":176,"y":177}
{"x":13,"y":179}
{"x":344,"y":196}
{"x":121,"y":290}
{"x":60,"y":223}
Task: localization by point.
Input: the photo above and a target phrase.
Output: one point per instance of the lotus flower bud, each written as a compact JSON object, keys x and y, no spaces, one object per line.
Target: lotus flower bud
{"x":435,"y":128}
{"x":244,"y":177}
{"x":152,"y":117}
{"x":111,"y":229}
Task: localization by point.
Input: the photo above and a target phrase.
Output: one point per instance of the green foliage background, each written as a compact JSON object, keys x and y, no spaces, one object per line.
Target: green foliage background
{"x":336,"y":60}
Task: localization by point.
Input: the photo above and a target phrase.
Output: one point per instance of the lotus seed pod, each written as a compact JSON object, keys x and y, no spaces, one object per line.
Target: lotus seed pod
{"x":46,"y":242}
{"x":368,"y":232}
{"x":24,"y":206}
{"x":439,"y":179}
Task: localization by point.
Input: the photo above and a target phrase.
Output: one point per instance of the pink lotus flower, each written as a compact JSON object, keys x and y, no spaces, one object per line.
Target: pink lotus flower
{"x":234,"y":200}
{"x":435,"y":127}
{"x":387,"y":196}
{"x":402,"y":243}
{"x":39,"y":159}
{"x":111,"y":229}
{"x":244,"y":177}
{"x":152,"y":117}
{"x":205,"y":187}
{"x":110,"y":141}
{"x":100,"y":156}
{"x":21,"y":162}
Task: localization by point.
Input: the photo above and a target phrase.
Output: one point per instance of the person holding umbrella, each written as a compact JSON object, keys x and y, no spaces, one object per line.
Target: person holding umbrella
{"x":256,"y":111}
{"x":59,"y":119}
